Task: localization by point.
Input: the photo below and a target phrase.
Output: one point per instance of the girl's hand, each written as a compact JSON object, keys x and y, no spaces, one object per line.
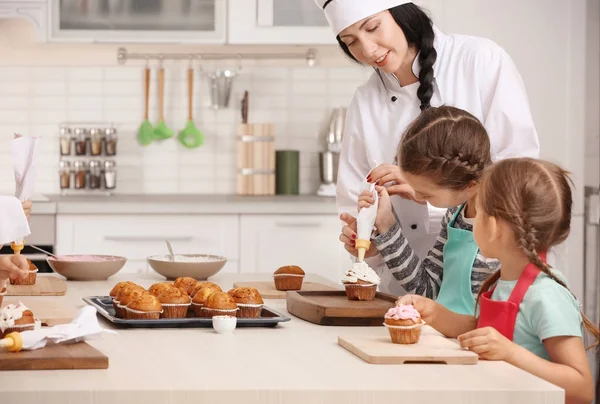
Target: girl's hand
{"x":348,"y":237}
{"x":488,"y":343}
{"x":389,"y":175}
{"x":13,"y":267}
{"x":27,"y":208}
{"x":425,"y":306}
{"x":385,"y":217}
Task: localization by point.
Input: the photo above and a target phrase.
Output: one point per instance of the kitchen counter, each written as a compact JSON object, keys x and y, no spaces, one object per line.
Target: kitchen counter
{"x":297,"y":362}
{"x":185,"y":205}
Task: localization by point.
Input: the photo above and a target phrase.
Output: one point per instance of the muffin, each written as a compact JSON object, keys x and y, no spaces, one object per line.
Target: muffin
{"x":29,"y":279}
{"x":200,"y":284}
{"x":200,"y":297}
{"x":115,"y":291}
{"x":404,"y":324}
{"x":174,"y":302}
{"x":127,"y":296}
{"x":16,"y":317}
{"x":361,"y":282}
{"x":220,"y":304}
{"x":186,"y":283}
{"x":249,"y":302}
{"x":159,"y":288}
{"x":145,"y":307}
{"x":289,"y":277}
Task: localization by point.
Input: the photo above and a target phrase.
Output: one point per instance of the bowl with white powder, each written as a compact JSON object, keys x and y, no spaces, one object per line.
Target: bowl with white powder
{"x":198,"y":266}
{"x":86,"y":267}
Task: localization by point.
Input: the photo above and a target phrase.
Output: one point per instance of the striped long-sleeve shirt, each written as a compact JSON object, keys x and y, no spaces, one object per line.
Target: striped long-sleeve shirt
{"x":424,"y":277}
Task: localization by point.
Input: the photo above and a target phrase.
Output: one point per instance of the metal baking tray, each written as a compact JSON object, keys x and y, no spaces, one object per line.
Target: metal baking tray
{"x":268,"y":317}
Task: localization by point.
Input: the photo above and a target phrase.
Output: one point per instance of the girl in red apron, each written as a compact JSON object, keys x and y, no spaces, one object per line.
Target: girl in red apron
{"x":526,"y":314}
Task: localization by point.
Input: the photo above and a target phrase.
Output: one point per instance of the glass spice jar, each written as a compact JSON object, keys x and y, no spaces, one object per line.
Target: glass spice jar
{"x":96,"y":138}
{"x":110,"y":139}
{"x":65,"y":141}
{"x":64,"y":173}
{"x":95,"y":175}
{"x":80,"y":174}
{"x":110,"y":174}
{"x":80,"y":141}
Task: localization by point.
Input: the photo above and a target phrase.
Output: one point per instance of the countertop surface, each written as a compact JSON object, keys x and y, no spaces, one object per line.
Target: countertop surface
{"x":296,"y":362}
{"x":185,"y":204}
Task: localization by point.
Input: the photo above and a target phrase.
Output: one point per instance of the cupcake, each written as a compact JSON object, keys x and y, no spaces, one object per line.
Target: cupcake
{"x":126,"y":296}
{"x":174,"y":303}
{"x":361,"y":282}
{"x":404,"y":324}
{"x":249,"y":302}
{"x":186,"y":283}
{"x":220,"y":304}
{"x":200,"y":284}
{"x":145,"y":307}
{"x":200,"y":298}
{"x":16,"y":317}
{"x":115,"y":291}
{"x":159,"y":288}
{"x":29,"y":279}
{"x":289,"y":277}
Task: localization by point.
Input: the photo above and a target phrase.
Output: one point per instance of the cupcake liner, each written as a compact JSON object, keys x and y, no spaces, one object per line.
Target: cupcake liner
{"x":174,"y":310}
{"x":405,"y":334}
{"x":197,"y":307}
{"x":142,"y":315}
{"x":20,"y":328}
{"x":2,"y":294}
{"x":360,"y":291}
{"x":119,"y":310}
{"x":288,"y":281}
{"x":29,"y":279}
{"x":249,"y":310}
{"x":218,"y":312}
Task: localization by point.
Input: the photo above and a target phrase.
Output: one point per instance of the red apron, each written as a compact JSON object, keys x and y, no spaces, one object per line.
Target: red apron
{"x":503,"y":315}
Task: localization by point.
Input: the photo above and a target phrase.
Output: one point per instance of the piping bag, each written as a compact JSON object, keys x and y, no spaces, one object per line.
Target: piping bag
{"x":365,"y":222}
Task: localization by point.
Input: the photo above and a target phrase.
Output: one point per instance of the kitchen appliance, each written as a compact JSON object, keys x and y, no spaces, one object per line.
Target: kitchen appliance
{"x":329,"y":159}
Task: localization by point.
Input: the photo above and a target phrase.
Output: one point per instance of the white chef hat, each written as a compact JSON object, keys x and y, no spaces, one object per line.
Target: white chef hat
{"x":343,"y":13}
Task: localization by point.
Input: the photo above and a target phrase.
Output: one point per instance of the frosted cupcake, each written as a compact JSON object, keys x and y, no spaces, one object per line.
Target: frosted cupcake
{"x":361,"y":282}
{"x":404,"y":324}
{"x":16,"y":317}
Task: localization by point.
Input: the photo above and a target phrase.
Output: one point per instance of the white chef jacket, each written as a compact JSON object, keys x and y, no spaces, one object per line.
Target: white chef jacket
{"x":471,"y":73}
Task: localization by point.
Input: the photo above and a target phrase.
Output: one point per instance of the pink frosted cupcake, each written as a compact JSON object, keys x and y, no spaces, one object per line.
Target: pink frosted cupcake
{"x":29,"y":279}
{"x":404,"y":324}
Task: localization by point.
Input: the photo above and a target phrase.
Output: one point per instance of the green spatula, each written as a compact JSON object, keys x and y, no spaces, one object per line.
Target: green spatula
{"x":190,"y":136}
{"x":161,"y":131}
{"x":146,"y":130}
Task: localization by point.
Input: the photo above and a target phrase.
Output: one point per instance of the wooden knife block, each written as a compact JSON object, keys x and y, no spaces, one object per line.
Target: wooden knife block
{"x":256,"y":159}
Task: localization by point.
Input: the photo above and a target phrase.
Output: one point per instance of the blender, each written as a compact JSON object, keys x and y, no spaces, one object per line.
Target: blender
{"x":329,"y":159}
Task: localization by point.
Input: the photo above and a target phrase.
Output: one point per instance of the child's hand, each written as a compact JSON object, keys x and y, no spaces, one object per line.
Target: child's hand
{"x":27,"y":208}
{"x":385,"y":218}
{"x":488,"y":343}
{"x":348,"y":237}
{"x":426,"y":307}
{"x":13,"y":267}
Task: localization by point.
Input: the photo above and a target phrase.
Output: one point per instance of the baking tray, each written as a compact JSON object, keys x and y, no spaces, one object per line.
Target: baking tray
{"x":268,"y":318}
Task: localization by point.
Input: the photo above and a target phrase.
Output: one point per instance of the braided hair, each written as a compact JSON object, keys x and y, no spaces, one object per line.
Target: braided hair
{"x":418,"y":30}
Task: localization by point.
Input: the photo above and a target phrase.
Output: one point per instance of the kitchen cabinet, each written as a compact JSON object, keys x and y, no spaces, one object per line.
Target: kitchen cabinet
{"x":277,"y":22}
{"x":309,"y":241}
{"x":34,"y":11}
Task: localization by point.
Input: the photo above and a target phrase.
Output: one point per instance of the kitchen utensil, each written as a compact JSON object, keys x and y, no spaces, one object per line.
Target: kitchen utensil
{"x":88,"y":267}
{"x":221,"y":82}
{"x":44,"y":251}
{"x":198,"y":266}
{"x":172,"y":256}
{"x":71,"y":356}
{"x":340,"y":119}
{"x":190,"y":136}
{"x":44,"y":286}
{"x":162,"y":131}
{"x":267,"y":288}
{"x":377,"y":348}
{"x":328,"y":166}
{"x":245,"y":107}
{"x":146,"y":130}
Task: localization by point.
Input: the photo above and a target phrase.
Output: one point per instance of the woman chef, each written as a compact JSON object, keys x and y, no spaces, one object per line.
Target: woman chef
{"x":417,"y":66}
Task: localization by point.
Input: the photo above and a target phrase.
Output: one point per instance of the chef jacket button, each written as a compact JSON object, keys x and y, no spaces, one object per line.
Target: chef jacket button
{"x":413,"y":226}
{"x":394,"y":98}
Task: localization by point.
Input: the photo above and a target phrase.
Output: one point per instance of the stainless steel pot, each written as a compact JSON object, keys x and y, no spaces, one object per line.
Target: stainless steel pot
{"x":328,"y":166}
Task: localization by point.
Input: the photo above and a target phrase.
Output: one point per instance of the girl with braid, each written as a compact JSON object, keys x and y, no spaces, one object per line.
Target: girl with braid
{"x":442,"y":156}
{"x":525,"y":314}
{"x":416,"y":66}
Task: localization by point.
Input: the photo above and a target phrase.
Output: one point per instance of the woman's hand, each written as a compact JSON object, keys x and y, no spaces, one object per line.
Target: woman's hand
{"x":385,"y":217}
{"x":425,"y":306}
{"x":13,"y":267}
{"x":348,"y":237}
{"x":390,"y":174}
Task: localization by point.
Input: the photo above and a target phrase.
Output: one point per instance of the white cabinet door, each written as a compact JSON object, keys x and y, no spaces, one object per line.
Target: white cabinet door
{"x":309,"y":241}
{"x":139,"y":236}
{"x":277,"y":22}
{"x":145,"y":21}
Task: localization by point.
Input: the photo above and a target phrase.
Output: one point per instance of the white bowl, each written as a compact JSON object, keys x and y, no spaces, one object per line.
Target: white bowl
{"x":197,"y":266}
{"x":224,"y":324}
{"x":86,"y":267}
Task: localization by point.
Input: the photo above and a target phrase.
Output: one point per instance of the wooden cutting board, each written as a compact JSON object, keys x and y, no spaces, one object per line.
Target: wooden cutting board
{"x":431,"y":348}
{"x":72,"y":356}
{"x":334,"y":308}
{"x":44,"y":286}
{"x":267,"y":289}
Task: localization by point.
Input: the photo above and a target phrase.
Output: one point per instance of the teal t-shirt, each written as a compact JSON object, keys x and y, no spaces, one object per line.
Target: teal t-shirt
{"x":547,"y":310}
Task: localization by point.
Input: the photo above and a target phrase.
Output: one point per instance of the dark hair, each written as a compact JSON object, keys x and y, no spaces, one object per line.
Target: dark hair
{"x":534,"y":198}
{"x":448,"y":145}
{"x":418,"y":30}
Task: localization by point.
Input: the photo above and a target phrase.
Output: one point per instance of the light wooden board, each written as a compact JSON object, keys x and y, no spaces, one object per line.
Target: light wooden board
{"x":71,"y":356}
{"x":267,"y":289}
{"x":431,"y":348}
{"x":44,"y":286}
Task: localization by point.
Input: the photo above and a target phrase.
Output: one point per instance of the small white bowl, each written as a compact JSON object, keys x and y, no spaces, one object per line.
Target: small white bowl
{"x":224,"y":324}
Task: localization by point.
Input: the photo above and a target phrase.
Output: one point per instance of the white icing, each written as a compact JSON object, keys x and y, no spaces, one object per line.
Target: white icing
{"x":362,"y":271}
{"x":10,"y":314}
{"x":365,"y":222}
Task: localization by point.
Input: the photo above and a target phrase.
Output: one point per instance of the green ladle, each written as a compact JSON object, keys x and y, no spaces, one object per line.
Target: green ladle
{"x":190,"y":136}
{"x":146,"y":130}
{"x":161,"y":131}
